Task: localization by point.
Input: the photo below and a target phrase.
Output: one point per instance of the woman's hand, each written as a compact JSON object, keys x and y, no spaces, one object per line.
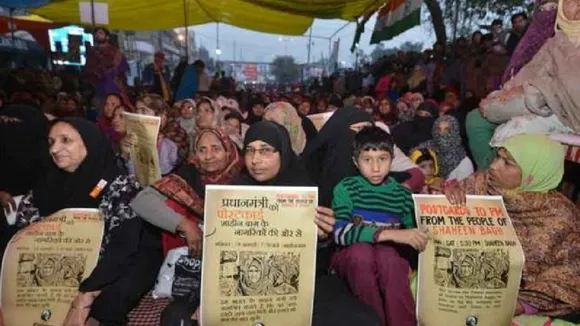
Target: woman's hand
{"x":436,"y":188}
{"x":193,"y":236}
{"x":455,"y":194}
{"x":325,"y":221}
{"x":76,"y":317}
{"x":79,"y":312}
{"x":415,"y":238}
{"x":7,"y":202}
{"x":195,"y":315}
{"x":519,"y":309}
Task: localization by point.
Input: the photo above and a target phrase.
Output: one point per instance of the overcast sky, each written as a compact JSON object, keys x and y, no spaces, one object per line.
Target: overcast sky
{"x":262,"y":47}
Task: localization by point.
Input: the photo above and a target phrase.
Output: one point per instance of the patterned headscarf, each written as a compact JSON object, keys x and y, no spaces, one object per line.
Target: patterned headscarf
{"x":286,"y":115}
{"x":540,"y":173}
{"x":448,"y":145}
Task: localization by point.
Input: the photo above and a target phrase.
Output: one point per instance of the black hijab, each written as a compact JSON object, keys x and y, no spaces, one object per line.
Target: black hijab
{"x":23,"y":148}
{"x":291,"y":173}
{"x":252,"y":117}
{"x":60,"y":189}
{"x":329,"y":156}
{"x":408,"y":135}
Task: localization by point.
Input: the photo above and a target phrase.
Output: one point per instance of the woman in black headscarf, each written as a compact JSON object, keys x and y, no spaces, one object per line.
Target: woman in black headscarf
{"x":23,"y":158}
{"x":276,"y":163}
{"x":255,"y":110}
{"x":410,"y":134}
{"x":270,"y":161}
{"x":84,"y":175}
{"x":329,"y":156}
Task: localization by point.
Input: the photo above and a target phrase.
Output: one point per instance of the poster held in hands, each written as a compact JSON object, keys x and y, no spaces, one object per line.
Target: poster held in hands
{"x":44,"y":264}
{"x":143,"y":131}
{"x":259,"y":255}
{"x":470,"y":271}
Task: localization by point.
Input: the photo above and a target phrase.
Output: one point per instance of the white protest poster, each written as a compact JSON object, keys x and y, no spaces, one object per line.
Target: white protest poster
{"x":259,"y":256}
{"x":142,"y":131}
{"x":470,"y":271}
{"x":44,"y":264}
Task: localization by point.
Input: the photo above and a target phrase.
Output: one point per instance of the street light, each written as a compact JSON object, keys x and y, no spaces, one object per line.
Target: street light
{"x":218,"y":52}
{"x":181,"y":37}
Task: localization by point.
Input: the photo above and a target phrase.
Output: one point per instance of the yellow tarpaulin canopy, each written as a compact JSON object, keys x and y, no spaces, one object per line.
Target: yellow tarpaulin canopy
{"x":271,"y":16}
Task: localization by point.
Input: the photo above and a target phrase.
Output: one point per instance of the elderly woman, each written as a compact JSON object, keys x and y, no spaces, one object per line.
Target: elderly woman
{"x":176,"y":204}
{"x":130,"y":253}
{"x":545,"y":221}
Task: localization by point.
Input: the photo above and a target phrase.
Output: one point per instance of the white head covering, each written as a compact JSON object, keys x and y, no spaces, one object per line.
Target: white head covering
{"x":570,"y":27}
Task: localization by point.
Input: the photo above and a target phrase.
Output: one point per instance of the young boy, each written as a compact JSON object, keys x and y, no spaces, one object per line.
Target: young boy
{"x":375,"y":222}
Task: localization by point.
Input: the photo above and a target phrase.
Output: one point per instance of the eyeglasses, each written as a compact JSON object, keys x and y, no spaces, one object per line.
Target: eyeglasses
{"x":264,"y":151}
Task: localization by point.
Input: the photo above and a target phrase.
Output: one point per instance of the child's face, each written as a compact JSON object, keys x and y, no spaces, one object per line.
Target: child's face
{"x":427,"y":168}
{"x":374,"y":165}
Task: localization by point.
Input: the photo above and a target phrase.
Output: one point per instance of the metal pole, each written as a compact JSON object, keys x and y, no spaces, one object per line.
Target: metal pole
{"x":186,"y":29}
{"x":329,"y":55}
{"x":93,"y":14}
{"x":309,"y":47}
{"x":12,"y":27}
{"x":340,"y":29}
{"x":217,"y":44}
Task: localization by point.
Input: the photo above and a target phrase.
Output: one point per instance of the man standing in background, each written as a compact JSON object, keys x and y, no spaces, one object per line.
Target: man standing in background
{"x":156,"y":77}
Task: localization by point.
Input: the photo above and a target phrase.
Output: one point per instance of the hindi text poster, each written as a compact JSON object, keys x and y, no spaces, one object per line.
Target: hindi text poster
{"x":44,"y":264}
{"x":259,"y":255}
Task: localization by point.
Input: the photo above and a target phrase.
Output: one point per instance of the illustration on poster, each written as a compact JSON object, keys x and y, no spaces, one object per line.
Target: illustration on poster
{"x":256,"y":273}
{"x":471,"y":268}
{"x":40,"y":270}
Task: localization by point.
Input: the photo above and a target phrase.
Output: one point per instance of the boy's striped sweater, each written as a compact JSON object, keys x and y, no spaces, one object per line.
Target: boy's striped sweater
{"x":362,"y":209}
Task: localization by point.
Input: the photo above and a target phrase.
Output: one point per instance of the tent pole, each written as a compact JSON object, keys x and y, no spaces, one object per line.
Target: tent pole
{"x":12,"y":27}
{"x":186,"y":29}
{"x":309,"y":45}
{"x":93,"y":14}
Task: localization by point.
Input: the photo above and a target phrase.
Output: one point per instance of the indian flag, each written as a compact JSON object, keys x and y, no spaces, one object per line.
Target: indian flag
{"x":396,"y":17}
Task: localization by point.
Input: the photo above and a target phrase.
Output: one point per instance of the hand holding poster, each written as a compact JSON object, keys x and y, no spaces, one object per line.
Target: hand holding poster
{"x":44,"y":265}
{"x":259,"y":256}
{"x":470,"y":271}
{"x":143,"y":131}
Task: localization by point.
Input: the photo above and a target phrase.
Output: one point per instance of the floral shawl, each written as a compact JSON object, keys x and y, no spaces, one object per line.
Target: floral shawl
{"x":548,"y":229}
